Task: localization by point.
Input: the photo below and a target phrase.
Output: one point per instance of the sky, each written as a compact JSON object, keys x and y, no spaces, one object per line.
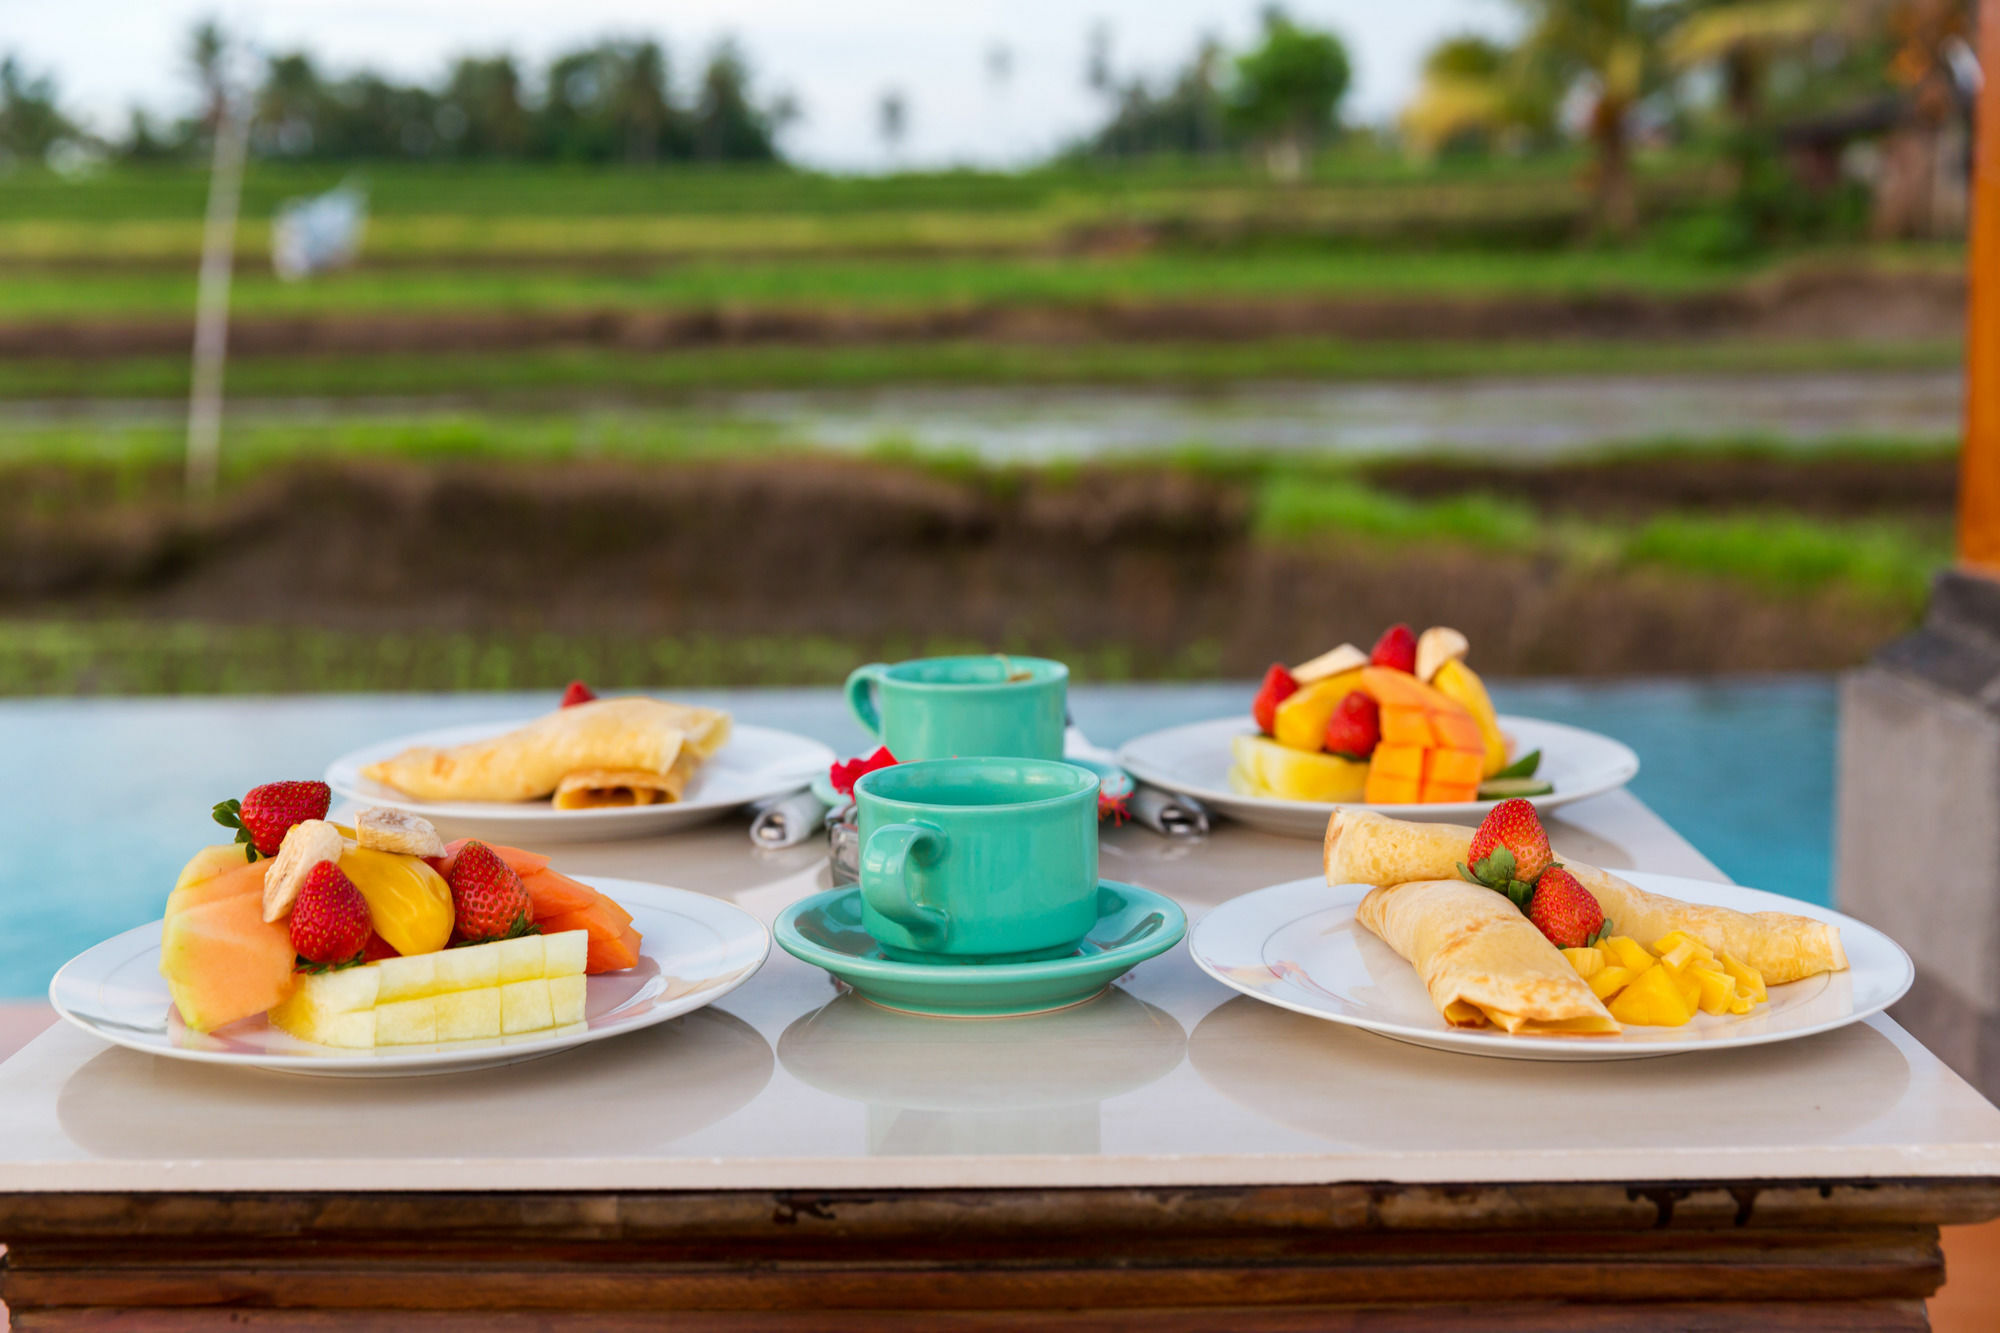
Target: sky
{"x":837,"y":58}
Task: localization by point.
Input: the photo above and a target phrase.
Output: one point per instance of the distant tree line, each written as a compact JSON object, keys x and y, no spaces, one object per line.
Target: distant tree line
{"x":613,"y":101}
{"x":1281,"y":97}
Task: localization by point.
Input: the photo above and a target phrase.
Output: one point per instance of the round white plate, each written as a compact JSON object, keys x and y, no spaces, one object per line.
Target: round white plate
{"x":695,"y":950}
{"x":1194,"y":760}
{"x":755,"y":764}
{"x":1299,"y":947}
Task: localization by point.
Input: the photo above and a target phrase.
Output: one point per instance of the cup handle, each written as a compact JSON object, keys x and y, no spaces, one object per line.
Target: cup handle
{"x":885,"y":884}
{"x":861,"y":684}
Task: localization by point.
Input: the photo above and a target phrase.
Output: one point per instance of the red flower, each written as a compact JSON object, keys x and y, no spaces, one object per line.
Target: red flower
{"x":845,"y":773}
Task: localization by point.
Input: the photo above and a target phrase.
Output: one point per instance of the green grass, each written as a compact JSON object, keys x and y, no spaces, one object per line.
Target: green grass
{"x":1294,"y":507}
{"x":901,"y":283}
{"x":1785,"y":554}
{"x":511,"y":374}
{"x":62,"y":657}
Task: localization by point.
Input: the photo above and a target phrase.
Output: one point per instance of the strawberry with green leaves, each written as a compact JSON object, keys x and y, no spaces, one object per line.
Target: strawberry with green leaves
{"x":1565,"y":911}
{"x":266,"y":814}
{"x":1509,"y":852}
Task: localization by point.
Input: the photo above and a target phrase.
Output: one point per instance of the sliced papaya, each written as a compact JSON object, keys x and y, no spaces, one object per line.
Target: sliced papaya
{"x":555,"y":893}
{"x":614,"y":944}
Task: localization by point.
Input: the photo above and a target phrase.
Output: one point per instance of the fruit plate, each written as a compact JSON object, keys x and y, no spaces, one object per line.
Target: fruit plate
{"x":756,"y":764}
{"x":1299,"y":947}
{"x":1194,"y":760}
{"x":696,"y":950}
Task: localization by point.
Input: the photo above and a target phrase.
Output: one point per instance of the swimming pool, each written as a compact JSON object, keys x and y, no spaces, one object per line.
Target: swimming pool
{"x":109,"y":796}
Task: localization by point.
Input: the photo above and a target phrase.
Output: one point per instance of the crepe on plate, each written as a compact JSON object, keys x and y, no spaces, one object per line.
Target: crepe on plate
{"x":630,"y":751}
{"x":1363,"y":847}
{"x":1482,"y":961}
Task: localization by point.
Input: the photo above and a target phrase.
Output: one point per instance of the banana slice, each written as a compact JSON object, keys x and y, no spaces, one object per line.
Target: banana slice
{"x":1438,"y":645}
{"x":1330,"y":663}
{"x":397,"y":831}
{"x":306,"y":844}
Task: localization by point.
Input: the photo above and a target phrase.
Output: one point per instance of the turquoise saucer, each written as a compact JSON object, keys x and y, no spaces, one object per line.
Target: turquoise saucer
{"x":1133,"y":924}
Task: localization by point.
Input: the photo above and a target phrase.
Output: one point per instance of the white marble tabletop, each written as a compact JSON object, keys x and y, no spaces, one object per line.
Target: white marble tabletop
{"x":1168,"y":1080}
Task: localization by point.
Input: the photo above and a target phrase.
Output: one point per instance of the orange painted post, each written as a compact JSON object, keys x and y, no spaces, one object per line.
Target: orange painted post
{"x":1979,"y":461}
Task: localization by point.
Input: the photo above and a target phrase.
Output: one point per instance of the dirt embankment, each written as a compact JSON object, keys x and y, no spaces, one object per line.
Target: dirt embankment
{"x":1148,"y":562}
{"x":1807,"y":305}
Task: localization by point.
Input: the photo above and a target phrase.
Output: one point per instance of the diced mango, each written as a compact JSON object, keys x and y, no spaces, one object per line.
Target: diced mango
{"x":1397,"y":761}
{"x":1460,"y":767}
{"x":1391,"y":790}
{"x":1587,"y":961}
{"x":1652,"y":1000}
{"x":1437,"y":793}
{"x":1405,"y":725}
{"x":1460,"y":732}
{"x":1718,"y":989}
{"x":1609,"y":980}
{"x":1674,"y":939}
{"x":1749,"y":981}
{"x":1685,"y":983}
{"x":1626,"y":952}
{"x":1680,"y":956}
{"x":1458,"y":682}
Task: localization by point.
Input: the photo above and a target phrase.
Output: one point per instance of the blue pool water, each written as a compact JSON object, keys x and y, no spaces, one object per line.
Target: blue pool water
{"x":106,"y":798}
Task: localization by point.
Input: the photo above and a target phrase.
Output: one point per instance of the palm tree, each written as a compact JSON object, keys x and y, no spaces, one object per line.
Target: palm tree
{"x":1611,"y":48}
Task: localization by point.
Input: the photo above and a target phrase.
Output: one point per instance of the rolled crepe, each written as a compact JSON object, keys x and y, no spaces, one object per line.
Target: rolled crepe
{"x":1482,"y":961}
{"x":623,"y":735}
{"x":596,"y":788}
{"x":1363,"y":847}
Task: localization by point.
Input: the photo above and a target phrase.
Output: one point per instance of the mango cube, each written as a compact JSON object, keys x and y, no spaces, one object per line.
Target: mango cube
{"x":1747,"y":978}
{"x":1717,"y":989}
{"x":1626,"y":952}
{"x":1397,"y":760}
{"x":1675,"y":939}
{"x":1608,"y":981}
{"x":1405,"y":725}
{"x":1681,"y":956}
{"x":1652,"y":1000}
{"x":1587,"y":961}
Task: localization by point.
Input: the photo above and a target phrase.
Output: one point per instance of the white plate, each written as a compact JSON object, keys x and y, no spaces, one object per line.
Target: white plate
{"x":1299,"y":947}
{"x":755,"y":764}
{"x":695,"y":950}
{"x":1194,"y":760}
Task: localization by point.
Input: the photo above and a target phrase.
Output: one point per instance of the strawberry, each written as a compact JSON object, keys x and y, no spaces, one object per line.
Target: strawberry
{"x":1278,"y":686}
{"x":1355,"y":727}
{"x":1564,"y":910}
{"x":265,"y":814}
{"x":1396,"y":648}
{"x":488,"y":898}
{"x":845,"y":773}
{"x":330,"y":924}
{"x":577,"y":693}
{"x":1510,"y":851}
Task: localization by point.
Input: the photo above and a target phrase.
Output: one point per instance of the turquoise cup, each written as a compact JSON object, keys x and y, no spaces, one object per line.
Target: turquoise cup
{"x":953,"y":707}
{"x":978,"y":860}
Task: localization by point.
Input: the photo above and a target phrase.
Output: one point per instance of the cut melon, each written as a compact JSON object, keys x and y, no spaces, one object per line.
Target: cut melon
{"x":241,"y":878}
{"x":224,"y":962}
{"x":212,"y":861}
{"x":1432,"y":749}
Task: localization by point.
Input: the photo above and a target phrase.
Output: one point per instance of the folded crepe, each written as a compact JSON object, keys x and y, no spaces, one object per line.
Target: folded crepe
{"x":595,"y":788}
{"x":622,"y":736}
{"x":1363,"y":847}
{"x":1482,"y":961}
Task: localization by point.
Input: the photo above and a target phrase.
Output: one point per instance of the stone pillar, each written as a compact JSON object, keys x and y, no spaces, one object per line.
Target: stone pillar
{"x":1917,"y":829}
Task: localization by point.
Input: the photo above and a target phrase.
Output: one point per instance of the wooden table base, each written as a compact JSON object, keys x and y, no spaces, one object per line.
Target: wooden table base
{"x":1765,"y":1256}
